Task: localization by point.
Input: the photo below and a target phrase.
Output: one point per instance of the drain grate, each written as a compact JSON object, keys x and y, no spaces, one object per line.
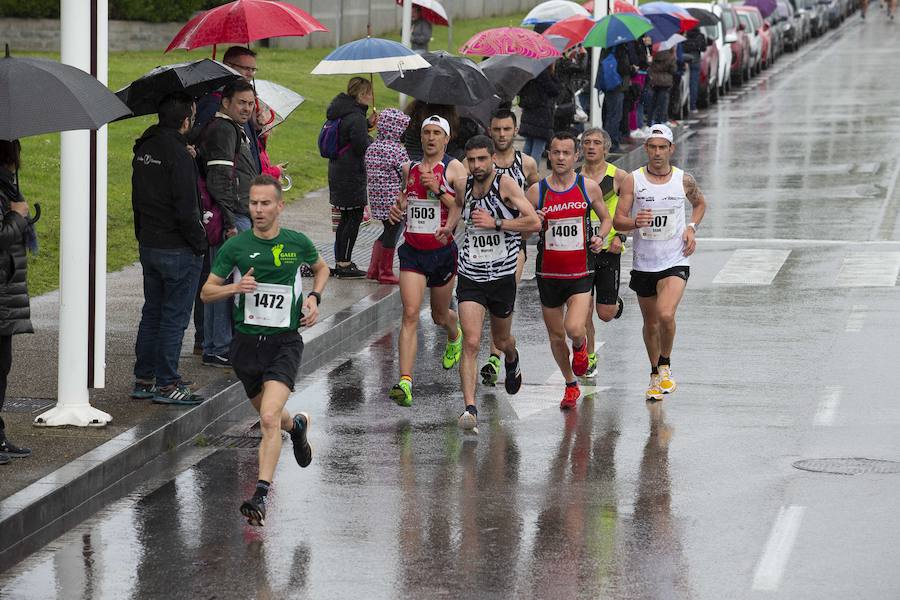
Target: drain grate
{"x":236,"y":442}
{"x":27,"y":405}
{"x":848,"y":466}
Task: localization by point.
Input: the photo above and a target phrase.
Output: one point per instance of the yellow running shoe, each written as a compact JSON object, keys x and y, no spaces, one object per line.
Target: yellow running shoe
{"x":666,"y":383}
{"x":401,"y":393}
{"x":654,"y":392}
{"x":453,"y":351}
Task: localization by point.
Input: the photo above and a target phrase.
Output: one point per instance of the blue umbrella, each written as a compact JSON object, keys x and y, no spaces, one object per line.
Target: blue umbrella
{"x":370,"y":55}
{"x":664,"y":26}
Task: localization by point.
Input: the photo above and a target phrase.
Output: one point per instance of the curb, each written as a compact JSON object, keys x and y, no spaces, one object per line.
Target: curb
{"x":37,"y":514}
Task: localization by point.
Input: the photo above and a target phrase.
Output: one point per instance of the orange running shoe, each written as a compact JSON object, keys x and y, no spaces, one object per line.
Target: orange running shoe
{"x":580,"y":360}
{"x":573,"y":393}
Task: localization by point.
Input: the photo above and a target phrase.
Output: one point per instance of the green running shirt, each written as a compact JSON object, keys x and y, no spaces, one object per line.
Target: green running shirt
{"x":275,"y":306}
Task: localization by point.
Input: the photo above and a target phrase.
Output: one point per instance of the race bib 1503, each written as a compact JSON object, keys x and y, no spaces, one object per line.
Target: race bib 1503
{"x":423,"y":216}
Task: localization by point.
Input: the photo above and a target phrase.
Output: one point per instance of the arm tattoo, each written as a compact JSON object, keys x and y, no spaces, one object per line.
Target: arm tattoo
{"x":692,"y":190}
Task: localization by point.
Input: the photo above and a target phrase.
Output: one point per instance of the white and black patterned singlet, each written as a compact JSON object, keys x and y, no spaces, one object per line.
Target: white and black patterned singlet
{"x":516,"y":170}
{"x":487,"y":254}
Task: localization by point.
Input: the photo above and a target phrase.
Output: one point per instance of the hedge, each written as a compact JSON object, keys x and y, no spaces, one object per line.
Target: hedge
{"x":154,"y":11}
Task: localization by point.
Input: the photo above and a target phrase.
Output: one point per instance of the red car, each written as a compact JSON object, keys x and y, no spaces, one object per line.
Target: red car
{"x":709,"y":75}
{"x":762,"y":29}
{"x":740,"y":43}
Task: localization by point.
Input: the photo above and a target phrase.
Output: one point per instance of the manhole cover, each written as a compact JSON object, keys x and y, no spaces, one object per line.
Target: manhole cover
{"x":27,"y":405}
{"x":848,"y":466}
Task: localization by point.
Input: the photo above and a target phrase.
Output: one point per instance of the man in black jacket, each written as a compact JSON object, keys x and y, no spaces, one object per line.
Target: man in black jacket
{"x":172,"y":241}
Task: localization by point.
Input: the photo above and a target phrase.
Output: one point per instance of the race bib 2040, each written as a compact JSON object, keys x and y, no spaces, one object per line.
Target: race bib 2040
{"x":486,"y":245}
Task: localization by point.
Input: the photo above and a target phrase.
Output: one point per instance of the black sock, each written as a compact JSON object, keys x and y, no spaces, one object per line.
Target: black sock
{"x":572,"y":383}
{"x":664,"y":361}
{"x":654,"y":371}
{"x":471,"y":409}
{"x":262,"y":489}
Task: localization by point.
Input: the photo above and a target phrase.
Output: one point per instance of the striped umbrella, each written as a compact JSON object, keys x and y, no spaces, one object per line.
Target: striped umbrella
{"x":370,"y":55}
{"x":552,"y":11}
{"x":510,"y":40}
{"x":613,"y":30}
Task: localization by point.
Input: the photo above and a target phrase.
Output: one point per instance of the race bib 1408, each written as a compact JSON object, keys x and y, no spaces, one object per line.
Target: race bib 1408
{"x":565,"y":234}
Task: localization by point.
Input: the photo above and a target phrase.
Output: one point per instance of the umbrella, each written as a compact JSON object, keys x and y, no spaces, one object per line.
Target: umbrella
{"x":670,"y":43}
{"x":664,"y":26}
{"x":432,"y":11}
{"x":619,"y":6}
{"x":667,"y":8}
{"x":573,"y":29}
{"x":244,"y":21}
{"x":766,"y":7}
{"x":481,"y":112}
{"x":553,"y":11}
{"x":510,"y":40}
{"x":195,"y":78}
{"x":370,"y":55}
{"x":706,"y":18}
{"x":510,"y":72}
{"x":283,"y":101}
{"x":44,"y":96}
{"x":613,"y":30}
{"x":450,"y":80}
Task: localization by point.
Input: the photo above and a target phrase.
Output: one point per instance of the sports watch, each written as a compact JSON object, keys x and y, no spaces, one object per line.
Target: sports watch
{"x":317,"y":296}
{"x":693,"y":226}
{"x":498,"y":224}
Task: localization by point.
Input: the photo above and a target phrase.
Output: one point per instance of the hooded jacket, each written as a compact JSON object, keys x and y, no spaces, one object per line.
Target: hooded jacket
{"x":15,"y":310}
{"x":164,"y":193}
{"x":347,"y":174}
{"x":538,"y":102}
{"x":227,"y":154}
{"x":384,"y":159}
{"x":663,"y":69}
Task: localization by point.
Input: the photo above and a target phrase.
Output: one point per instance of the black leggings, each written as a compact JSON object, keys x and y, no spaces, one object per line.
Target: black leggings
{"x":346,"y":234}
{"x":5,"y":365}
{"x":390,"y":234}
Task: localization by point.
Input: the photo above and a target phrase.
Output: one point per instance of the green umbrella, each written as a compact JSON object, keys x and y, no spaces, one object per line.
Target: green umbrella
{"x":617,"y":29}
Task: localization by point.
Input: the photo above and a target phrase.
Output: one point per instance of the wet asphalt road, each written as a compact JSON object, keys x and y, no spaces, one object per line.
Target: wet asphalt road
{"x":785,"y":351}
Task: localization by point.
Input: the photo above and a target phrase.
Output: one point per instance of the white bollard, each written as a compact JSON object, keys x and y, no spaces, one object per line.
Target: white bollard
{"x":601,"y":9}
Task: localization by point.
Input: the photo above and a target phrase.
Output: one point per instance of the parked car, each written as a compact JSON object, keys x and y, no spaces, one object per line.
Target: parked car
{"x":794,"y":27}
{"x":756,"y":41}
{"x":715,"y":33}
{"x":834,"y":13}
{"x":680,"y":96}
{"x":739,"y":41}
{"x":816,"y":12}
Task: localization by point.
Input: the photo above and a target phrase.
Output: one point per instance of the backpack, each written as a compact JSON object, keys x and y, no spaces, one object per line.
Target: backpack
{"x":330,"y":140}
{"x":608,"y":78}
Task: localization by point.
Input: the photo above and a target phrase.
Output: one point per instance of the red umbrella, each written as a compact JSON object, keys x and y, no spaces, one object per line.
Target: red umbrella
{"x":510,"y":40}
{"x":432,"y":11}
{"x":619,"y":6}
{"x":573,"y":28}
{"x":245,"y":21}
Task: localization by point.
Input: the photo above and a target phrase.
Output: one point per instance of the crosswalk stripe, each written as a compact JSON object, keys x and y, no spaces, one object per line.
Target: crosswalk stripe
{"x":752,"y":266}
{"x":869,"y":269}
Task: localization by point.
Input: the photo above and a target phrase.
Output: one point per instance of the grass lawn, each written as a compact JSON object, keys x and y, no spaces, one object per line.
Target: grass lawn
{"x":293,"y":141}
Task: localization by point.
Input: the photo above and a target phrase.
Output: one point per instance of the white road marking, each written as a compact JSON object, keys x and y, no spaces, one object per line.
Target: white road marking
{"x":876,"y":231}
{"x":796,"y":242}
{"x":778,"y":548}
{"x":856,"y":319}
{"x":869,"y":269}
{"x":752,"y":266}
{"x":828,"y":406}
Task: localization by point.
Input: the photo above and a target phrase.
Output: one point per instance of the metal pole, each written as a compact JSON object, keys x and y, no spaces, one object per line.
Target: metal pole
{"x":406,"y":36}
{"x":73,"y":402}
{"x":337,"y":23}
{"x":600,"y":10}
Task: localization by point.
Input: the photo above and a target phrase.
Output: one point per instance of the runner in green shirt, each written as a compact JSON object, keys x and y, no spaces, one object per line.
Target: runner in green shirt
{"x":266,"y":349}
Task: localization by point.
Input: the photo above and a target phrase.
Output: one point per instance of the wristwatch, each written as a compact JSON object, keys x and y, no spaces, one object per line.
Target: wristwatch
{"x":622,"y":237}
{"x":317,"y":296}
{"x":498,"y":224}
{"x":693,"y":226}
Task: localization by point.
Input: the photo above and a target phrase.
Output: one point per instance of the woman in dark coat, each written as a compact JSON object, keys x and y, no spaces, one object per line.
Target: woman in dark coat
{"x":15,"y":312}
{"x":347,"y":174}
{"x":538,"y":102}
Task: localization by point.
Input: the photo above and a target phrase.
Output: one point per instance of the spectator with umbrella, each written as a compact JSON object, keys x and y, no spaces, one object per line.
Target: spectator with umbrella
{"x":661,"y":75}
{"x":347,"y":173}
{"x":421,"y":31}
{"x":538,"y":102}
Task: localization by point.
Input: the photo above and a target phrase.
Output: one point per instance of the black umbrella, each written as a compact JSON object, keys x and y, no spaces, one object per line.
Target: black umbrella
{"x":44,"y":96}
{"x":510,"y":72}
{"x":450,"y":80}
{"x":705,"y":17}
{"x":193,"y":78}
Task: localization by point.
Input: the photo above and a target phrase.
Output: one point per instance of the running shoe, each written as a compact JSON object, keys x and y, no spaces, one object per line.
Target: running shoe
{"x":490,"y":372}
{"x":580,"y":360}
{"x":176,"y":394}
{"x":255,"y":510}
{"x":654,"y":392}
{"x":570,"y":399}
{"x":350,"y":271}
{"x":666,"y":383}
{"x":592,"y":365}
{"x":468,"y":421}
{"x":143,"y":390}
{"x":216,"y":360}
{"x":453,"y":351}
{"x":302,"y":449}
{"x":513,"y":381}
{"x":401,"y":393}
{"x":621,"y":308}
{"x":10,"y":450}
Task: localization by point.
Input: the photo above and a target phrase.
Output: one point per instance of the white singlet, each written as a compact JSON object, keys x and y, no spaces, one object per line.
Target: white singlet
{"x":659,"y":246}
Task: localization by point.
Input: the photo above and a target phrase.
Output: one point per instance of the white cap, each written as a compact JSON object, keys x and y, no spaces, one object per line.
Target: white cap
{"x":661,"y":131}
{"x":439,"y":121}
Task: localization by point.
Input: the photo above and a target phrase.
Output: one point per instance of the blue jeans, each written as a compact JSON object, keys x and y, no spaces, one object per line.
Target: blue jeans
{"x":217,"y":327}
{"x":695,"y":83}
{"x":534,"y":147}
{"x":613,"y":102}
{"x":660,"y":103}
{"x":170,"y":282}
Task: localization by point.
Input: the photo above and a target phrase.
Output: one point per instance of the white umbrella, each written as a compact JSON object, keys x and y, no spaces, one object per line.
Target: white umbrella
{"x":432,"y":11}
{"x":370,"y":55}
{"x":280,"y":99}
{"x":670,"y":43}
{"x":552,"y":11}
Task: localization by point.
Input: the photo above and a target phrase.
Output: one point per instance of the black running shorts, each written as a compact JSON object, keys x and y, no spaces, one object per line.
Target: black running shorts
{"x":498,"y":296}
{"x":606,"y":277}
{"x":555,"y":292}
{"x":259,"y":358}
{"x":644,"y":283}
{"x":438,"y":266}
